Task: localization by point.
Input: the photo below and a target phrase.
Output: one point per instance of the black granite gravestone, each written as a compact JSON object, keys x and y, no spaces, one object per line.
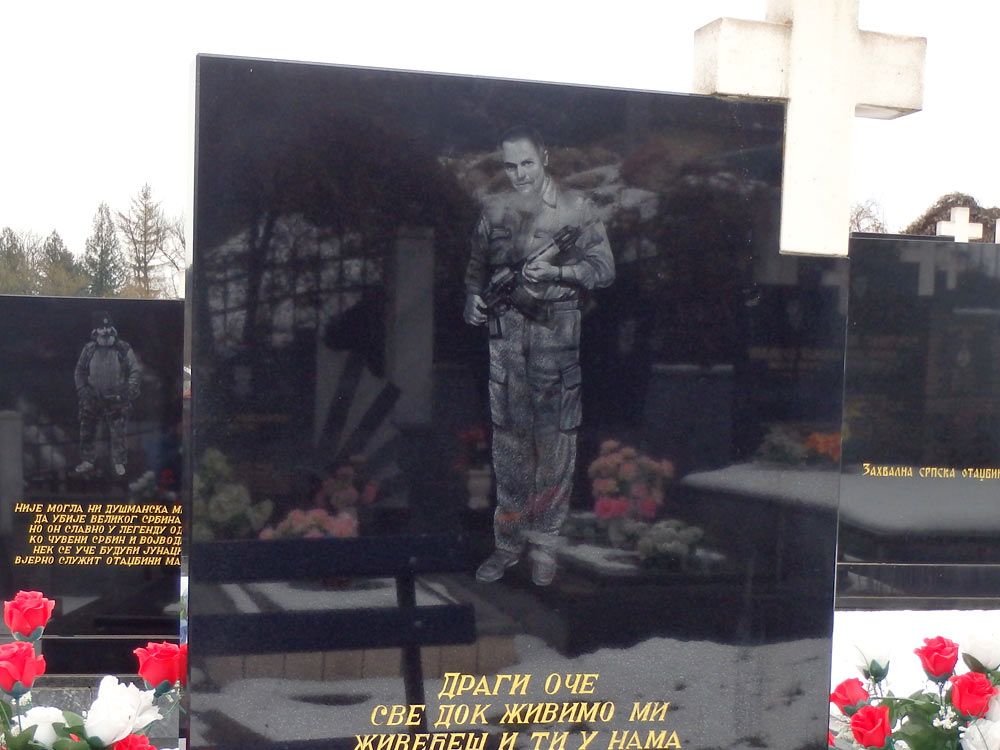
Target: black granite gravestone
{"x":90,"y":471}
{"x":341,"y":412}
{"x":922,"y":425}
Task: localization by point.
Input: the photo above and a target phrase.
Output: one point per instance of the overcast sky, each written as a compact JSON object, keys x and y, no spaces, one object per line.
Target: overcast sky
{"x":97,"y":96}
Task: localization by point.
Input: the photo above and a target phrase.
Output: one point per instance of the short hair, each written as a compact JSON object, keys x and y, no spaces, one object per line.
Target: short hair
{"x":522,"y":133}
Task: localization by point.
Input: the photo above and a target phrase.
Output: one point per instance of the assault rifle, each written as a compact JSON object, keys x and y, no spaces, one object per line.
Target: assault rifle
{"x":506,"y":286}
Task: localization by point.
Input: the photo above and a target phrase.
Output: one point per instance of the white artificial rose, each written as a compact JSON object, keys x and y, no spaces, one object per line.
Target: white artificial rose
{"x":865,"y":655}
{"x":42,"y":718}
{"x":993,"y":712}
{"x":119,"y":710}
{"x":982,"y":734}
{"x":984,"y":647}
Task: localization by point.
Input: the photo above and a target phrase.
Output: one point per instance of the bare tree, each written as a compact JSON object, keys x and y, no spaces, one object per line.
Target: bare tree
{"x":868,"y":216}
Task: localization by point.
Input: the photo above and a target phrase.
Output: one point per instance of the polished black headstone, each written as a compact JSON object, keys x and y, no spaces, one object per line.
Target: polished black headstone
{"x":336,"y":384}
{"x":921,"y":425}
{"x":104,"y":544}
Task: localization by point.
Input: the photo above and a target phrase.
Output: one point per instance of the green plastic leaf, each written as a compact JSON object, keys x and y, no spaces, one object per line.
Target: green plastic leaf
{"x":974,"y":664}
{"x":22,"y":741}
{"x":5,"y":713}
{"x":68,"y":744}
{"x":72,"y":719}
{"x":921,"y":738}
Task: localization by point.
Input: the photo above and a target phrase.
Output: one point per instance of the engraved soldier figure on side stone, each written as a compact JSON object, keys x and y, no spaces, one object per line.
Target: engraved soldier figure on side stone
{"x":534,"y":248}
{"x":107,"y":379}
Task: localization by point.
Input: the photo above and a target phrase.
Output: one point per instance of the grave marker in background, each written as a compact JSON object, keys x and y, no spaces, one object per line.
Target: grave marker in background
{"x":105,"y":547}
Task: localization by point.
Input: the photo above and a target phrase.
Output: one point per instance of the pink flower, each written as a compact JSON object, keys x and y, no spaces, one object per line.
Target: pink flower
{"x":640,"y":490}
{"x":604,"y":486}
{"x":607,"y":508}
{"x":629,"y":471}
{"x":647,"y":507}
{"x":370,"y":493}
{"x":267,"y":533}
{"x":345,"y":525}
{"x":609,"y":446}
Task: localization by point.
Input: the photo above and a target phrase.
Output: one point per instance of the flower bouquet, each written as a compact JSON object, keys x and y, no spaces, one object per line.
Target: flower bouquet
{"x":668,"y":543}
{"x":313,"y":524}
{"x":628,"y":490}
{"x":952,"y":712}
{"x":474,"y":448}
{"x":790,"y":444}
{"x":225,"y":508}
{"x":117,"y":719}
{"x":338,"y":499}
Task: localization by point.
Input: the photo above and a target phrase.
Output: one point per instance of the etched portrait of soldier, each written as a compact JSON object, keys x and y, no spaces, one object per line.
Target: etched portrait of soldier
{"x":107,"y":378}
{"x":535,"y":247}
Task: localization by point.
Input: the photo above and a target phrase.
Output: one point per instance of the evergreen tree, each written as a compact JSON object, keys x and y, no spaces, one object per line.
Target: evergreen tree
{"x":61,"y":274}
{"x":145,"y":231}
{"x":104,"y":263}
{"x":19,"y":253}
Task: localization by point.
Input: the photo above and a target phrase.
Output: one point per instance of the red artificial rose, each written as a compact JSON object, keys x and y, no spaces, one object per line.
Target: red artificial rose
{"x":18,"y":664}
{"x":870,"y":725}
{"x":938,"y":657}
{"x":162,"y":662}
{"x":134,"y":742}
{"x":849,"y":693}
{"x":27,"y":614}
{"x":971,"y":693}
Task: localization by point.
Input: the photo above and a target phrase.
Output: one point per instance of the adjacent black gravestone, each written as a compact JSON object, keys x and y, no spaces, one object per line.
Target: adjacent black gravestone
{"x":90,"y":471}
{"x":921,"y":425}
{"x":355,"y":352}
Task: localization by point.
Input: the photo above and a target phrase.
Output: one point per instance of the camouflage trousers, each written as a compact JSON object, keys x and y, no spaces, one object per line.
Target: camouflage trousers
{"x":535,"y":409}
{"x":94,"y":411}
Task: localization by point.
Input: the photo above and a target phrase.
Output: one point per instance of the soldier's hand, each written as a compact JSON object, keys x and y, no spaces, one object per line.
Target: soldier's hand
{"x":540,"y":270}
{"x":475,"y":310}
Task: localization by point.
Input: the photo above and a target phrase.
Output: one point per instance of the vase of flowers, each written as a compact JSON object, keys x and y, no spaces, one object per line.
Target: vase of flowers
{"x":629,"y":489}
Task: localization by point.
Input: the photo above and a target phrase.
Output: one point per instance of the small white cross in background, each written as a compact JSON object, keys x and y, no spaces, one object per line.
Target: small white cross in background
{"x":932,"y":257}
{"x":812,"y":54}
{"x":839,"y":277}
{"x":959,"y":227}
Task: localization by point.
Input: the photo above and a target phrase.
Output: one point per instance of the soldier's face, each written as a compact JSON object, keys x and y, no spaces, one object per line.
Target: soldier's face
{"x":525,"y":166}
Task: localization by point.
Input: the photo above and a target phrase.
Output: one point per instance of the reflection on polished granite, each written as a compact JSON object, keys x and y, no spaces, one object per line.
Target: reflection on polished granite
{"x":334,"y":209}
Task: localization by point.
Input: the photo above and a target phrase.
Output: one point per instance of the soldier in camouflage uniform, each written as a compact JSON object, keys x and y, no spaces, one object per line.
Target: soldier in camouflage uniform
{"x":107,"y":378}
{"x":534,"y":358}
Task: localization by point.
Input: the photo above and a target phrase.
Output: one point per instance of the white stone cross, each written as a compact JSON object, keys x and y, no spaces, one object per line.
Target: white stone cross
{"x":933,"y":257}
{"x":812,"y":54}
{"x":959,"y":226}
{"x":839,"y":277}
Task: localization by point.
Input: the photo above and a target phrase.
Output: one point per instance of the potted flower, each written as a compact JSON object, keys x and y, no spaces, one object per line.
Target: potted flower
{"x":628,"y":489}
{"x":474,"y":461}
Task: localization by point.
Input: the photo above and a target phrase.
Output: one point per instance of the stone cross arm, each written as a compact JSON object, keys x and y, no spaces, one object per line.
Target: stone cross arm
{"x":812,"y":55}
